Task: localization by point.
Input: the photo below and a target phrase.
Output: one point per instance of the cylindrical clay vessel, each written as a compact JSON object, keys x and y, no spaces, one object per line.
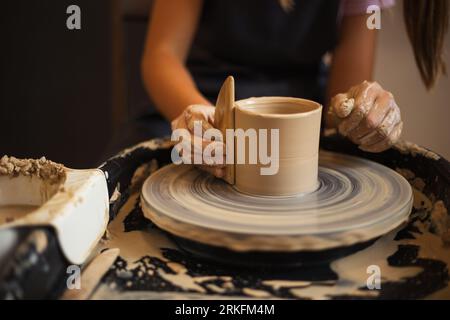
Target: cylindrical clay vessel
{"x":298,"y":121}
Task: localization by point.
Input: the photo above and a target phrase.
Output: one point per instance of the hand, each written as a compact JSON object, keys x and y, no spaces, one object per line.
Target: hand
{"x":204,"y":114}
{"x":368,"y":115}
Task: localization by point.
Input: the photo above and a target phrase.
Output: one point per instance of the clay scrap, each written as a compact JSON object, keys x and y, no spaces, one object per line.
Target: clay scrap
{"x":47,"y":170}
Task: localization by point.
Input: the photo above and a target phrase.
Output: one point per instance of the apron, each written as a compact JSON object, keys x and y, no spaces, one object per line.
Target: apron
{"x":270,"y":52}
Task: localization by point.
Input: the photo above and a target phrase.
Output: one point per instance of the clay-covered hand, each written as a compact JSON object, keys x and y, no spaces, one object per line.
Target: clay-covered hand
{"x":368,"y":115}
{"x":204,"y":115}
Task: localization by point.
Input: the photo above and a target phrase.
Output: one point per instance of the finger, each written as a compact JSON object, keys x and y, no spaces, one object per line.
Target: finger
{"x":213,"y":135}
{"x":178,"y":123}
{"x":364,"y":90}
{"x":215,"y":171}
{"x":364,"y":96}
{"x":380,"y":108}
{"x":193,"y":117}
{"x":339,"y":106}
{"x":357,"y":89}
{"x":210,"y":111}
{"x":385,"y":144}
{"x":190,"y":148}
{"x":395,"y":135}
{"x":205,"y":152}
{"x":391,"y":119}
{"x":200,"y":112}
{"x":200,"y":147}
{"x":198,"y":124}
{"x":214,"y":154}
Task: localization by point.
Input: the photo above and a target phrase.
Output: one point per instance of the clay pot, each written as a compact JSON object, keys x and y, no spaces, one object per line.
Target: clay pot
{"x":298,"y":122}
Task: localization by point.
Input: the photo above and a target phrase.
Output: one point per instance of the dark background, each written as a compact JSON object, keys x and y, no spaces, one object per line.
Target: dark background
{"x":62,"y":92}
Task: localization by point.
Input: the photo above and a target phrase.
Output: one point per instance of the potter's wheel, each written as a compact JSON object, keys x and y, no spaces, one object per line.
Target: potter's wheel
{"x":357,"y":201}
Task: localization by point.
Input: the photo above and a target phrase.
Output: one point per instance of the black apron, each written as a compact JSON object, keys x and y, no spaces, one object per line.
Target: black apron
{"x":270,"y":52}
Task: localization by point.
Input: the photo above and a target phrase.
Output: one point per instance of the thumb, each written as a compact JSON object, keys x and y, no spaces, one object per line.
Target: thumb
{"x":199,"y":120}
{"x":342,"y":105}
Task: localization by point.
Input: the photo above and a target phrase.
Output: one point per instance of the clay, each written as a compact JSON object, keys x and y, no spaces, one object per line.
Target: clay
{"x":116,"y":194}
{"x":9,"y":213}
{"x":352,"y":272}
{"x":256,"y":293}
{"x":351,"y":275}
{"x":440,"y":221}
{"x":193,"y":205}
{"x":49,"y":171}
{"x":433,"y":214}
{"x":278,"y":284}
{"x":142,"y":173}
{"x":63,"y":198}
{"x":277,"y":152}
{"x":148,"y":253}
{"x":413,"y":149}
{"x":138,"y":242}
{"x":297,"y":125}
{"x":92,"y":274}
{"x":346,"y":108}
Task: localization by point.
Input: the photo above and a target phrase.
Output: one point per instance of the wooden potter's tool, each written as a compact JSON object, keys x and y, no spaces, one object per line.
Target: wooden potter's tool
{"x":224,"y":119}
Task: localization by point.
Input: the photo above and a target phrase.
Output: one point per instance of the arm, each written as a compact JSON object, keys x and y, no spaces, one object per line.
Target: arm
{"x":353,"y":58}
{"x":366,"y":114}
{"x":168,"y":82}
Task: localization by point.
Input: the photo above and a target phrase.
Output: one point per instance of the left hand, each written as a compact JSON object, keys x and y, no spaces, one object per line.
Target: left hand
{"x":204,"y":115}
{"x":368,"y":115}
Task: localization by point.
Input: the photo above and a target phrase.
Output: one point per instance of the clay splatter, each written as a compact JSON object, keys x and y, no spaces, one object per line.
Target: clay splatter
{"x":151,"y":266}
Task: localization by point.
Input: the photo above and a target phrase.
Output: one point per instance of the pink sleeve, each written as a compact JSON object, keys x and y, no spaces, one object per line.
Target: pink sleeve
{"x":354,"y":7}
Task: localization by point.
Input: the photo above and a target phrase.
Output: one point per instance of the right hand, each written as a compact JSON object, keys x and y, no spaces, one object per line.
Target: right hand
{"x":204,"y":114}
{"x":367,"y":115}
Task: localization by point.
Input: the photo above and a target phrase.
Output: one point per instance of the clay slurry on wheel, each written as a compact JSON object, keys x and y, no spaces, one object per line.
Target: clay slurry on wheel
{"x":357,"y":200}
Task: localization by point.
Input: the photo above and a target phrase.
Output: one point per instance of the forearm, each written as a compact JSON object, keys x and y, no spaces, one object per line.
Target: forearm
{"x":169,"y":83}
{"x":348,"y":69}
{"x":353,"y":58}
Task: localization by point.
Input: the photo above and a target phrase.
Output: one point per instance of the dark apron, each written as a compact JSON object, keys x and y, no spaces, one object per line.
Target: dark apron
{"x":269,"y":52}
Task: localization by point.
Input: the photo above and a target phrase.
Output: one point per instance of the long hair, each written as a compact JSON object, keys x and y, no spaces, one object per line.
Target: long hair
{"x":427,"y":24}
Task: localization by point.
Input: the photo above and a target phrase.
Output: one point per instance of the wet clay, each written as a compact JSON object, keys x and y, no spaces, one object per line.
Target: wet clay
{"x":49,"y":171}
{"x":275,"y":223}
{"x":413,"y":149}
{"x":144,"y":261}
{"x":297,"y":123}
{"x":9,"y":213}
